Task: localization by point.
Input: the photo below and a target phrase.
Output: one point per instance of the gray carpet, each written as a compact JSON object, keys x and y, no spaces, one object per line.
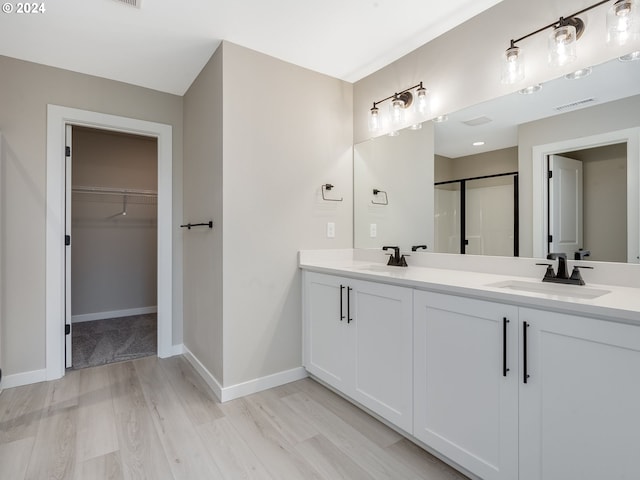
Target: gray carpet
{"x":113,"y":340}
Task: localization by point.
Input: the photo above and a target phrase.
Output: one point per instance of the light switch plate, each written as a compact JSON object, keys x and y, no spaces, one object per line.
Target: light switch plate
{"x":331,"y":230}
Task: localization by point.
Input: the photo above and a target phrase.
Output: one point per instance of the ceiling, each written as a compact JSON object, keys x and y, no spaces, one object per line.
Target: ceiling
{"x":164,"y":44}
{"x":610,"y":81}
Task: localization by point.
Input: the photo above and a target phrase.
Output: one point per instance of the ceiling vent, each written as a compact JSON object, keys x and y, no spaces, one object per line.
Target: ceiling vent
{"x":474,"y":122}
{"x":574,"y":105}
{"x":131,"y":3}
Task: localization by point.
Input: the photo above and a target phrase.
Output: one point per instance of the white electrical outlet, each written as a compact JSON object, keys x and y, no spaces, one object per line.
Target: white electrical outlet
{"x":373,"y":230}
{"x":331,"y":230}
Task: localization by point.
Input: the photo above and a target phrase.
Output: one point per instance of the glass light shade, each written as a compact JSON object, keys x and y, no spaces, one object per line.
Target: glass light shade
{"x":623,"y":22}
{"x":374,"y":120}
{"x":513,"y":66}
{"x":397,"y":111}
{"x":562,"y":45}
{"x":423,"y":103}
{"x":416,"y":126}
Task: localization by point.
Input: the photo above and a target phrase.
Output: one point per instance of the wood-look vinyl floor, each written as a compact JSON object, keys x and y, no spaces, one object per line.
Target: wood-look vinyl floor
{"x":156,"y":419}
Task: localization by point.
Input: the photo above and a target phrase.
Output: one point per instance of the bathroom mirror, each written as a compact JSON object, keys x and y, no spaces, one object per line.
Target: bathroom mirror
{"x":568,"y":116}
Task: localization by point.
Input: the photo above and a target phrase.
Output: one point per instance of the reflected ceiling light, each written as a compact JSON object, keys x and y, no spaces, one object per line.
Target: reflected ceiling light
{"x":393,"y":133}
{"x":623,"y":24}
{"x":531,"y":89}
{"x":399,"y":108}
{"x":477,"y":144}
{"x":440,"y":119}
{"x":630,"y":57}
{"x":578,"y":74}
{"x":415,"y":126}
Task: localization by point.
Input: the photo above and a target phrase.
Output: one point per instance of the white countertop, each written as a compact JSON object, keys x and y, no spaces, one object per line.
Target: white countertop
{"x":620,"y":303}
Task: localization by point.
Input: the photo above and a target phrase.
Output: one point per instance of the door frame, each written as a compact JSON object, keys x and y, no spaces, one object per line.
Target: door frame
{"x":57,"y":119}
{"x":631,"y":137}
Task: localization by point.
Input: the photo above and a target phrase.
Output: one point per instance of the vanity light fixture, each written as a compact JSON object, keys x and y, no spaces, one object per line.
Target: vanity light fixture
{"x":623,"y":24}
{"x":400,"y":103}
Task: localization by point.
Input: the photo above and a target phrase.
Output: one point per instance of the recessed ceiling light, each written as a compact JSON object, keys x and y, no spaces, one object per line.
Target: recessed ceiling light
{"x":630,"y":57}
{"x":477,"y":144}
{"x":578,"y":74}
{"x":440,"y":119}
{"x":532,"y":89}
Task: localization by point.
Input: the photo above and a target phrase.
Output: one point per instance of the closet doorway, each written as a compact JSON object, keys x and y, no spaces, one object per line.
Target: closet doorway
{"x":112,"y":219}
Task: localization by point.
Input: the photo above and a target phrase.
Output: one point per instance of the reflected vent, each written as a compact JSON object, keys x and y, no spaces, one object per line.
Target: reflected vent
{"x":474,"y":122}
{"x":573,"y":105}
{"x":131,"y":3}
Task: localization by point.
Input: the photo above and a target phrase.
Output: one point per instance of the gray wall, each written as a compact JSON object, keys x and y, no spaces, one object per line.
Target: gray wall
{"x":402,"y":166}
{"x":287,"y":131}
{"x":27,"y":88}
{"x":203,"y":201}
{"x":114,"y":258}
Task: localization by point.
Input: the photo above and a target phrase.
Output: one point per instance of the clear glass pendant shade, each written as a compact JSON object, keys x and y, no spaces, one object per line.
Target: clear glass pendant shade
{"x":512,"y":66}
{"x":623,"y":22}
{"x":374,"y":120}
{"x":562,"y":45}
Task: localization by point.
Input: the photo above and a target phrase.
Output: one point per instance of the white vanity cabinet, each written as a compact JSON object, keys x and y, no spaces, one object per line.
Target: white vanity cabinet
{"x":466,"y":382}
{"x":580,"y":407}
{"x":358,"y":339}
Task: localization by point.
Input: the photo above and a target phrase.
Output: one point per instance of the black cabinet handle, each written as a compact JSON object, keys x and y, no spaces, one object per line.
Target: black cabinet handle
{"x":349,"y":319}
{"x":525,"y":375}
{"x":341,"y":314}
{"x":504,"y":346}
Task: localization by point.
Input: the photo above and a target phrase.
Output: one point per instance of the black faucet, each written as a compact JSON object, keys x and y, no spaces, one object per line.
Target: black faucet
{"x":416,"y":247}
{"x":561,"y":273}
{"x":395,"y":260}
{"x":561,"y":276}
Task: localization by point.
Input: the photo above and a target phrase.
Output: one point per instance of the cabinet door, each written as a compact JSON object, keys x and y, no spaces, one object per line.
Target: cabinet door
{"x":327,"y":349}
{"x":579,"y":410}
{"x":466,"y":385}
{"x":382,"y":327}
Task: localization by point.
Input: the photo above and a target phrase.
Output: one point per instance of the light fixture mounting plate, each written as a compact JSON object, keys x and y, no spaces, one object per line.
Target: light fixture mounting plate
{"x":575,"y":22}
{"x":407,"y":98}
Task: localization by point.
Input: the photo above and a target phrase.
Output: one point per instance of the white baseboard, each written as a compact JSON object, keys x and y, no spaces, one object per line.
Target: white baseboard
{"x":204,"y":373}
{"x":89,"y":317}
{"x":26,"y":378}
{"x":224,"y":394}
{"x":262,"y":383}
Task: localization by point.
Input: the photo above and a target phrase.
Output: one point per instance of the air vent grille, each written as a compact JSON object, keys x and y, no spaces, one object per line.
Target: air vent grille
{"x":573,"y":105}
{"x":474,"y":122}
{"x":131,"y":3}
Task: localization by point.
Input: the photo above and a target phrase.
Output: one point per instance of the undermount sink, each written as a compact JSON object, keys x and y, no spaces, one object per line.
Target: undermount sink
{"x":555,"y":289}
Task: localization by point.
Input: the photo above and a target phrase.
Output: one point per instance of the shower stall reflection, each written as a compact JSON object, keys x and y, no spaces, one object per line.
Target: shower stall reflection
{"x":477,"y":216}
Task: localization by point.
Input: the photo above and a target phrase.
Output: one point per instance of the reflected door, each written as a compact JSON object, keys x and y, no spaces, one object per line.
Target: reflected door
{"x":565,"y":205}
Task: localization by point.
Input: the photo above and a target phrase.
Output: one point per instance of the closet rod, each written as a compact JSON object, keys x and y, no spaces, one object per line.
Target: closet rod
{"x":115,"y":191}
